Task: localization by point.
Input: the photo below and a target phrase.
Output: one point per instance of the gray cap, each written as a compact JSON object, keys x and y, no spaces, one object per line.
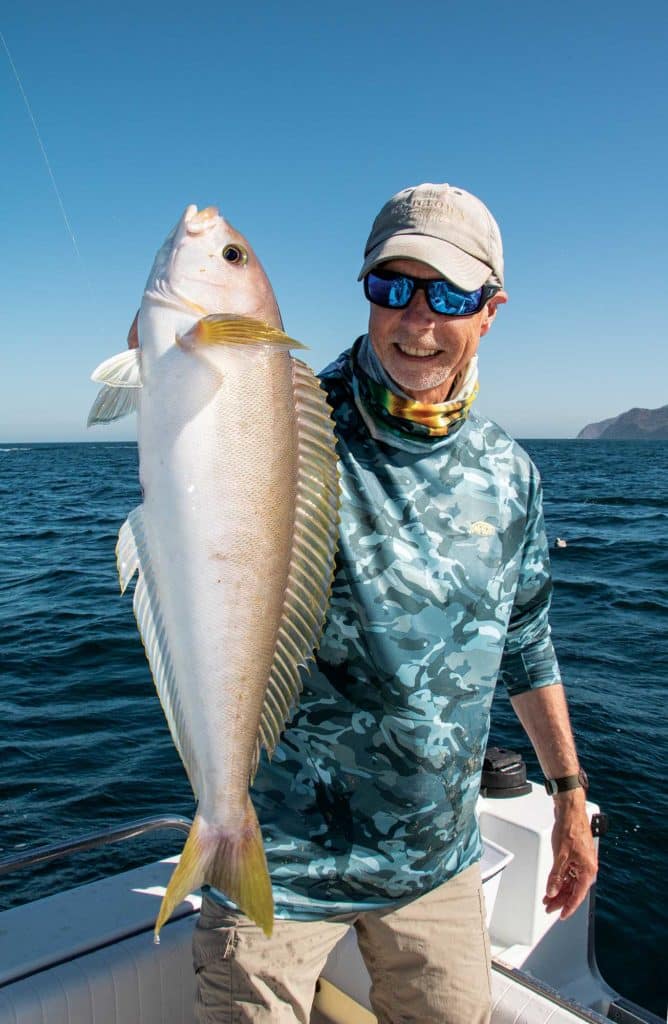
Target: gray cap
{"x":441,"y":225}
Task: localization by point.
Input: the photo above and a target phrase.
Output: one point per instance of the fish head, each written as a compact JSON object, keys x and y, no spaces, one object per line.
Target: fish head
{"x":206,"y":266}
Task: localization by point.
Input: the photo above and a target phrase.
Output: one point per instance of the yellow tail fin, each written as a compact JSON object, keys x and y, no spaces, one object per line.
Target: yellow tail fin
{"x":232,"y":862}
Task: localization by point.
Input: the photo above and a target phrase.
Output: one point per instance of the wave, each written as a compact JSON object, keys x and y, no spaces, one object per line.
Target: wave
{"x":620,"y":499}
{"x":640,"y":604}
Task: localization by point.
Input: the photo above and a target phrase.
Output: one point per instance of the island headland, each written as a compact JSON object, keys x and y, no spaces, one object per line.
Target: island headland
{"x":634,"y":425}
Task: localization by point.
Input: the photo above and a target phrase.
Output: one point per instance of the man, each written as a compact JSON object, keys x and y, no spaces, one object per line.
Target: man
{"x":442,"y":585}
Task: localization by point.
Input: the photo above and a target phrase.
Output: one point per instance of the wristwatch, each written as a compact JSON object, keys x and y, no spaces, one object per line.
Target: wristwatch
{"x":554,"y":786}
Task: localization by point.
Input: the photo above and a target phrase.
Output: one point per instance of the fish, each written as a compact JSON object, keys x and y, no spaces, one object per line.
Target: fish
{"x":235,"y":540}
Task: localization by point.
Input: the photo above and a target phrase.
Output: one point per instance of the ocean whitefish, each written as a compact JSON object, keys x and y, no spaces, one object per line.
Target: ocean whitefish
{"x":235,"y":539}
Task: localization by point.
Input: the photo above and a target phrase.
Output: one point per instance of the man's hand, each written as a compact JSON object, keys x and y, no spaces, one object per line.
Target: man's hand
{"x":575,"y":860}
{"x":544,"y":715}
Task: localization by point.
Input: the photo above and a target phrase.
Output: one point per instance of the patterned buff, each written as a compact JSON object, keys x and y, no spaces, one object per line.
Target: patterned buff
{"x":403,"y":415}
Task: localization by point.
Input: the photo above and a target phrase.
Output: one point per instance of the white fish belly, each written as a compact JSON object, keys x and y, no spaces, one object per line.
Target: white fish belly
{"x":218,"y":466}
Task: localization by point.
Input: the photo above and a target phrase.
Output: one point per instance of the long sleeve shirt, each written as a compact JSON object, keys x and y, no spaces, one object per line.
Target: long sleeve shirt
{"x":442,"y":586}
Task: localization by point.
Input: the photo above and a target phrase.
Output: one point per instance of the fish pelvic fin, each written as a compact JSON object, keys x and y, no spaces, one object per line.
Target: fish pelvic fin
{"x":112,"y":404}
{"x":120,"y":371}
{"x":235,"y":863}
{"x":121,"y":377}
{"x":231,"y":329}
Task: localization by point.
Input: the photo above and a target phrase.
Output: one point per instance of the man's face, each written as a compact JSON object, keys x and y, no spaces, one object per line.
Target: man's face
{"x":423,"y":351}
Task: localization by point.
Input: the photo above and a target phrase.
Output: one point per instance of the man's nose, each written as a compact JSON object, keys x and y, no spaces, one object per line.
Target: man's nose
{"x":418,"y":308}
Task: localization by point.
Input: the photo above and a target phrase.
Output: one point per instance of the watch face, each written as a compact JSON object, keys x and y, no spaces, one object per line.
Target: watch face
{"x":583,"y":779}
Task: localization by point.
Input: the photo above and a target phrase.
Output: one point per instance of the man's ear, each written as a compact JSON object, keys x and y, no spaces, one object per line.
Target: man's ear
{"x":499,"y":299}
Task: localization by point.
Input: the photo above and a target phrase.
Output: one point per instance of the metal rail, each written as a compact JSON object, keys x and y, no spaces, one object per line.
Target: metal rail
{"x":92,"y":841}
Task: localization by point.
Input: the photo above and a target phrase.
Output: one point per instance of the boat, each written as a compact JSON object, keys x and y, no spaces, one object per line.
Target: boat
{"x":86,"y":955}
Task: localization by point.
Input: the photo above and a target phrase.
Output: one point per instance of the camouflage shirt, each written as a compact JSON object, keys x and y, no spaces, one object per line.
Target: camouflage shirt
{"x":442,"y":586}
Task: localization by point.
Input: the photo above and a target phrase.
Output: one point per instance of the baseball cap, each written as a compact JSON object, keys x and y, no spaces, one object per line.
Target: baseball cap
{"x":442,"y":225}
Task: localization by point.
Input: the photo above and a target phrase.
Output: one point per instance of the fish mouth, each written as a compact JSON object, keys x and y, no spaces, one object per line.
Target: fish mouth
{"x":197,"y":222}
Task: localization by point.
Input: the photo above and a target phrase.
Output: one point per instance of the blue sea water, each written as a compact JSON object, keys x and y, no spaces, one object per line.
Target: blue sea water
{"x":84,"y":743}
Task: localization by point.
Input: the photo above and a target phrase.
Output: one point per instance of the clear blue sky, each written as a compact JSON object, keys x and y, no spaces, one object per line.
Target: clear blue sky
{"x":299,"y":120}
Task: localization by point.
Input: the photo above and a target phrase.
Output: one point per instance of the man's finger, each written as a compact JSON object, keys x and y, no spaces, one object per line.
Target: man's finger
{"x":559,"y":899}
{"x":556,"y":877}
{"x":582,"y":879}
{"x":575,"y":898}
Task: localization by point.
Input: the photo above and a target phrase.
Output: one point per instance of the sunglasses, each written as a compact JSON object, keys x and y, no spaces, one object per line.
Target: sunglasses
{"x":394,"y":291}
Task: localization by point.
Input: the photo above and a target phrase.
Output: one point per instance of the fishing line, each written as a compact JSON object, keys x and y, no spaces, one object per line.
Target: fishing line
{"x":41,"y":146}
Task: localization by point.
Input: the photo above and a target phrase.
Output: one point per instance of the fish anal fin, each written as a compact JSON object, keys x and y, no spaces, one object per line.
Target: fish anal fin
{"x":233,"y":862}
{"x":127,"y":555}
{"x":133,"y":555}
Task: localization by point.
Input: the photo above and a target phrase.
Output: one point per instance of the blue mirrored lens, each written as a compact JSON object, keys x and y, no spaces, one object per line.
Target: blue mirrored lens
{"x":445,"y":298}
{"x":394,"y":292}
{"x":401,"y":289}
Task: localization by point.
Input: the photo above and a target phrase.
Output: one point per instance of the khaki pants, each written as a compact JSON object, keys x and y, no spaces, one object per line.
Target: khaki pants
{"x":429,"y":961}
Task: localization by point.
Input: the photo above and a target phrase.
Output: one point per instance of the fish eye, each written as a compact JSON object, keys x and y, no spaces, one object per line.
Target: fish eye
{"x":235,"y":254}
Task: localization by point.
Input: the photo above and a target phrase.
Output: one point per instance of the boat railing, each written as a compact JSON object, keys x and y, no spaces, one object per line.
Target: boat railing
{"x":92,"y":841}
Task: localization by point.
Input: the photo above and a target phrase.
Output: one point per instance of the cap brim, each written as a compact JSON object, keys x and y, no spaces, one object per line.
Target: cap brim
{"x":447,"y":259}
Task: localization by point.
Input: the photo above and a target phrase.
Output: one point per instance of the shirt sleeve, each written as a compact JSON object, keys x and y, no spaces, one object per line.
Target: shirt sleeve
{"x":529,"y":660}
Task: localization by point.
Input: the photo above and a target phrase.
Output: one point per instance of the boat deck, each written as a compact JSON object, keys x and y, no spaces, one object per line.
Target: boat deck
{"x":87,"y":955}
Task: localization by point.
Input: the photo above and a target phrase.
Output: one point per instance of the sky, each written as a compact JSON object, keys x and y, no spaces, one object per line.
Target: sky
{"x":299,"y":121}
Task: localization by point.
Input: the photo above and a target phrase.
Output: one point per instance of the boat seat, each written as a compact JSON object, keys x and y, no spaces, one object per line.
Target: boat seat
{"x":133,"y":980}
{"x":88,"y":954}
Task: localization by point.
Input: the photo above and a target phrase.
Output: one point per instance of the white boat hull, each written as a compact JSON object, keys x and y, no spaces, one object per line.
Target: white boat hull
{"x":86,"y":955}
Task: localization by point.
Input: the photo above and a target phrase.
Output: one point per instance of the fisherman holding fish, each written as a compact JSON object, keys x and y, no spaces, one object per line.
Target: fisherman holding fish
{"x":441,"y":587}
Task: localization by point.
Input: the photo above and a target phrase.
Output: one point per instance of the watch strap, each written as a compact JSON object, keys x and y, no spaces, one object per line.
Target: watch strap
{"x":566,"y":782}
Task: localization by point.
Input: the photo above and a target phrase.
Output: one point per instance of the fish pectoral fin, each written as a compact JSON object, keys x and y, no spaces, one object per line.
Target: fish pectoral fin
{"x":120,"y":371}
{"x":231,"y":329}
{"x":233,"y":862}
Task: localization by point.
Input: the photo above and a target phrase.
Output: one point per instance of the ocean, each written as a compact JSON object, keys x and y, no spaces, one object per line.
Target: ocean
{"x":84,"y":744}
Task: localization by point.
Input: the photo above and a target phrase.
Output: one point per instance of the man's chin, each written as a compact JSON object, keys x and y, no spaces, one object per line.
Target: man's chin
{"x":414,"y":374}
